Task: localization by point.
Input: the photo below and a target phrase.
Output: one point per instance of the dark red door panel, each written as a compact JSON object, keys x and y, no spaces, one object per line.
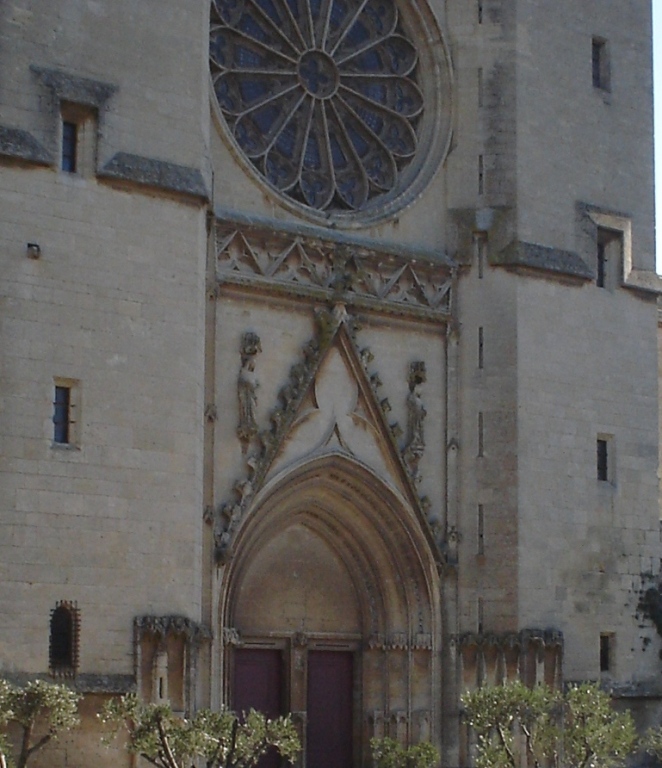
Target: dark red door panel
{"x":330,"y":685}
{"x":258,"y":683}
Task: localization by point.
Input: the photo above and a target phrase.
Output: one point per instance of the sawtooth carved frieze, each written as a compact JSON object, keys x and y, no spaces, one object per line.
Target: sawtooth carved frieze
{"x":227,"y":517}
{"x":362,"y":277}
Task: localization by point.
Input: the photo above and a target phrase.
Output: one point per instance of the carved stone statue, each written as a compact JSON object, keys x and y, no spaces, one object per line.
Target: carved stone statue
{"x":247,"y":385}
{"x":416,"y":413}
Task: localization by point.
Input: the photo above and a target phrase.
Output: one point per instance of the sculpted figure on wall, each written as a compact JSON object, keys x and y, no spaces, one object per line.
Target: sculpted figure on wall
{"x":247,"y":385}
{"x":416,"y":413}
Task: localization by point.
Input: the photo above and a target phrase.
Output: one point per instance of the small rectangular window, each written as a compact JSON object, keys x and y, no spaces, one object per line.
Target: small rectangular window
{"x":481,"y":175}
{"x":481,"y":360}
{"x":69,"y":146}
{"x":609,"y":257}
{"x":606,"y":652}
{"x":481,"y":618}
{"x":603,"y":459}
{"x":480,"y":11}
{"x":600,"y":63}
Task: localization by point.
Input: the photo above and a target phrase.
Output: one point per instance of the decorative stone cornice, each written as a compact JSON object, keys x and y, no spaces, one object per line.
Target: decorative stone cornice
{"x":548,"y":638}
{"x":164,"y":626}
{"x":266,"y":259}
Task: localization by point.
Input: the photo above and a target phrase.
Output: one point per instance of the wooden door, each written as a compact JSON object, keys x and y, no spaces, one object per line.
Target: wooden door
{"x":330,"y":717}
{"x":258,"y":684}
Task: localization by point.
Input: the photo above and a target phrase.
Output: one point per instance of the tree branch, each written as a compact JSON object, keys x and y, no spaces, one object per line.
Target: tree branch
{"x":507,"y":749}
{"x":164,"y":743}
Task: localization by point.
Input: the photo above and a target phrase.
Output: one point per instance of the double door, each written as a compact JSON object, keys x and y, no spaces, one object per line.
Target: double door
{"x":260,"y":683}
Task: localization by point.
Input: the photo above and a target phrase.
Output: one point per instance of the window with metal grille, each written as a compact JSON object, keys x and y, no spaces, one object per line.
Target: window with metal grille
{"x":63,"y":639}
{"x":62,"y":415}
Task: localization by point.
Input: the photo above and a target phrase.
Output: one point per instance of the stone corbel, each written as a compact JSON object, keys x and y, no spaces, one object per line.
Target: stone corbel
{"x":232,"y":637}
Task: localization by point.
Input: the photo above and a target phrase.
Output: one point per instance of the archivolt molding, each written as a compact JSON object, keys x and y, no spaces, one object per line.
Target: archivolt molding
{"x":363,"y":277}
{"x":228,"y":517}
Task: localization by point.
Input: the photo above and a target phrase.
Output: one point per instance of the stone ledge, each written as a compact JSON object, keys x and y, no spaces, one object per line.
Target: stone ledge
{"x":540,"y":257}
{"x":22,"y":145}
{"x":157,"y":174}
{"x":79,"y":90}
{"x":87,"y":682}
{"x":643,"y":280}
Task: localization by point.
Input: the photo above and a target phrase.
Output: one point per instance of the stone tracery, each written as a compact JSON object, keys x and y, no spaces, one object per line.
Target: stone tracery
{"x":320,"y":96}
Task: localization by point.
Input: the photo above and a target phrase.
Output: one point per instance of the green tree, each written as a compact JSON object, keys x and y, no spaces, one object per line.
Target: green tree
{"x":220,"y":738}
{"x":578,"y":728}
{"x":595,"y":736}
{"x":40,"y":711}
{"x":388,"y":753}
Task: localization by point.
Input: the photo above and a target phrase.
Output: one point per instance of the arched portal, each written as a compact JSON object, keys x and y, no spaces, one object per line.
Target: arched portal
{"x":332,"y":596}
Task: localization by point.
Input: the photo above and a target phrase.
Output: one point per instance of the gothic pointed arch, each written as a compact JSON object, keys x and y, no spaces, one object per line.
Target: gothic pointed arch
{"x":330,"y":557}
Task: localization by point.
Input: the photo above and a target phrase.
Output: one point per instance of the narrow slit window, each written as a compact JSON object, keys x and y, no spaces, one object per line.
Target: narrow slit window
{"x":480,"y":434}
{"x":601,"y":269}
{"x":480,"y":11}
{"x":69,"y":146}
{"x":480,"y":87}
{"x":62,"y":415}
{"x":481,"y":175}
{"x":481,"y":618}
{"x":600,"y":64}
{"x":606,"y":652}
{"x":481,"y":347}
{"x":481,"y":530}
{"x":603,"y":459}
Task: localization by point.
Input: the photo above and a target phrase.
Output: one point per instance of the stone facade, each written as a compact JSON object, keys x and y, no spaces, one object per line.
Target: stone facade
{"x":299,"y":434}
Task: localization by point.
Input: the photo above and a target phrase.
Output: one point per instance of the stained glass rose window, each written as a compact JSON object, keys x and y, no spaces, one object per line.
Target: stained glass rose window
{"x":320,"y":95}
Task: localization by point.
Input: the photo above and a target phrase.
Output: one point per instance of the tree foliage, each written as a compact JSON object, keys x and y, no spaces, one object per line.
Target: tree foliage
{"x":220,"y":738}
{"x":579,"y":728}
{"x":388,"y":753}
{"x":40,"y":711}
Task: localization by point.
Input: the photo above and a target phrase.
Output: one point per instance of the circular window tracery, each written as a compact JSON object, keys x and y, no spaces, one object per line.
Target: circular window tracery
{"x":320,"y":95}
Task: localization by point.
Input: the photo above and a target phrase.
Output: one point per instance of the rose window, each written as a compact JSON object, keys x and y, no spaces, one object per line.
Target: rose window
{"x":321,"y":95}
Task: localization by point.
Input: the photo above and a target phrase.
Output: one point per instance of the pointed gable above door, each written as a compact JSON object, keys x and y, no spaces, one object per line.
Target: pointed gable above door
{"x":330,"y":406}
